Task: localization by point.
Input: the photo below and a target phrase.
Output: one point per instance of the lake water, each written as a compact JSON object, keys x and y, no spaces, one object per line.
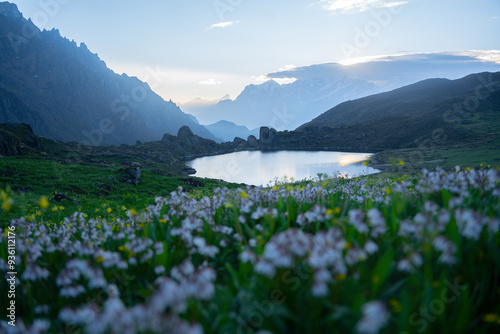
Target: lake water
{"x":262,"y":168}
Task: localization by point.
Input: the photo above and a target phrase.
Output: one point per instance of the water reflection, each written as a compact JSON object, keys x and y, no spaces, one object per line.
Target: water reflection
{"x":260,"y":168}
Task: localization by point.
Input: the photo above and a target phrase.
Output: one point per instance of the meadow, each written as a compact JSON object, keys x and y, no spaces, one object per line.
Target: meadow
{"x":416,"y":253}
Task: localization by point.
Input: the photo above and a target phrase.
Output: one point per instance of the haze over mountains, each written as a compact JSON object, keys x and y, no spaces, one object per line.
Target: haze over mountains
{"x":67,"y":93}
{"x":320,"y":87}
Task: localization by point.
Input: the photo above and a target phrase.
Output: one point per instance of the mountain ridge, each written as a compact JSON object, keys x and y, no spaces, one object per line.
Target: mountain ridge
{"x":67,"y":93}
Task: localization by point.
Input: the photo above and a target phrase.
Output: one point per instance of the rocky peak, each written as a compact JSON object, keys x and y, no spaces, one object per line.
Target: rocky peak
{"x":10,"y":10}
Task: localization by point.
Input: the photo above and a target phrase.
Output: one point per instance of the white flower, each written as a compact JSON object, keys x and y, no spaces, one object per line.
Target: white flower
{"x":159,"y":270}
{"x":375,"y":317}
{"x":265,"y":268}
{"x":371,"y":247}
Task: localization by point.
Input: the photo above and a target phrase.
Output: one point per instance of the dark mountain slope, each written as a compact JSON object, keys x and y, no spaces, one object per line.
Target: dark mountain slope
{"x":67,"y":93}
{"x":443,"y":111}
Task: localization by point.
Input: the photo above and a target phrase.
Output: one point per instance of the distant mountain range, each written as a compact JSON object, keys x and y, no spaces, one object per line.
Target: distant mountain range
{"x":67,"y":93}
{"x":430,"y":113}
{"x":227,"y":131}
{"x":318,"y":88}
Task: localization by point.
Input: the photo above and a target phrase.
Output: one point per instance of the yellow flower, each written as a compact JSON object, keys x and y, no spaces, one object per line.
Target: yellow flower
{"x":340,"y":277}
{"x":228,"y":205}
{"x":401,"y":163}
{"x":99,"y":259}
{"x":348,"y":245}
{"x":329,"y":211}
{"x":388,"y":191}
{"x":244,"y":194}
{"x":7,"y":204}
{"x":395,"y":305}
{"x":3,"y":196}
{"x":61,"y":208}
{"x":124,"y":208}
{"x":163,"y":221}
{"x":275,"y":188}
{"x":491,"y":317}
{"x":109,"y":210}
{"x":54,"y":208}
{"x":44,"y":202}
{"x":365,"y":163}
{"x":132,"y":212}
{"x":337,"y":210}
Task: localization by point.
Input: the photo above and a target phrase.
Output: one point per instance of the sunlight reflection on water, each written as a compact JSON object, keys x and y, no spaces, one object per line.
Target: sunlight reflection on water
{"x":261,"y":168}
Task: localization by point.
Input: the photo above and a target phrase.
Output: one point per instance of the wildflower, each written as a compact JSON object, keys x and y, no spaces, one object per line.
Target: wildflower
{"x":7,"y":204}
{"x":247,"y":256}
{"x":490,"y":317}
{"x":375,"y":317}
{"x":44,"y":202}
{"x":371,"y":247}
{"x":159,"y":270}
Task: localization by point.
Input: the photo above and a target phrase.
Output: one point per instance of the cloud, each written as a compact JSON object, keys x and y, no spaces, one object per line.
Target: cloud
{"x":357,"y":6}
{"x":210,"y":81}
{"x":222,"y":25}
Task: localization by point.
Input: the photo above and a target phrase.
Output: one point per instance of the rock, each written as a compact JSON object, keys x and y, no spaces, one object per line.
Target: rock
{"x":192,"y":182}
{"x":168,"y":139}
{"x":263,"y":133}
{"x":10,"y":145}
{"x":105,"y":189}
{"x":188,"y":171}
{"x":59,"y":197}
{"x":132,"y":174}
{"x":267,"y":135}
{"x":239,"y":143}
{"x":187,"y":136}
{"x":24,"y":190}
{"x":252,"y":141}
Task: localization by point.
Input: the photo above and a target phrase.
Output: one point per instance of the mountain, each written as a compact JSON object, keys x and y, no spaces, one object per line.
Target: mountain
{"x":65,"y":92}
{"x":319,"y":87}
{"x":227,"y":131}
{"x":198,"y":105}
{"x":431,"y":112}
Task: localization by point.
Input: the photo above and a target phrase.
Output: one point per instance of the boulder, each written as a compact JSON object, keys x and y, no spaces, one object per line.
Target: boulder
{"x":132,"y":174}
{"x":252,"y":141}
{"x":239,"y":143}
{"x":187,"y":136}
{"x":267,"y":135}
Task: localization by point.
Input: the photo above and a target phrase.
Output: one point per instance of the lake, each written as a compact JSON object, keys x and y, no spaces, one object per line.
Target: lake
{"x":262,"y":168}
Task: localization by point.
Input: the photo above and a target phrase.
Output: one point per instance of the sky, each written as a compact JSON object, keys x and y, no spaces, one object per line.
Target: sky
{"x":209,"y":48}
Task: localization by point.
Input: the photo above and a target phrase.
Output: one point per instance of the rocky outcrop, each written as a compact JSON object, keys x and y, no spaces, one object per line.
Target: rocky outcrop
{"x":187,"y":135}
{"x":15,"y":136}
{"x":10,"y":145}
{"x":132,"y":174}
{"x":252,"y":141}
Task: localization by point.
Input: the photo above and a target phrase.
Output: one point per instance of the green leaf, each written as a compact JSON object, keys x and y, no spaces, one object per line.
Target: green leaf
{"x":381,"y":271}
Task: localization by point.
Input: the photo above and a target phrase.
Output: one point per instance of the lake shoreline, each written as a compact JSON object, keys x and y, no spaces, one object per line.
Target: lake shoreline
{"x":265,"y":166}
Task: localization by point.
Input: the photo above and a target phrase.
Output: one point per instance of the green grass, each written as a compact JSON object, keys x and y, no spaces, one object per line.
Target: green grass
{"x":94,"y":188}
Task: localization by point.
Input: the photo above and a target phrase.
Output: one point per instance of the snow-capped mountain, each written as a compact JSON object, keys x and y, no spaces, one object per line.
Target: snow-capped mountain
{"x":318,"y":88}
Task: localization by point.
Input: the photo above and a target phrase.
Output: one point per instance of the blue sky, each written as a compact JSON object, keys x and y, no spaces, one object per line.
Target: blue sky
{"x":209,"y":48}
